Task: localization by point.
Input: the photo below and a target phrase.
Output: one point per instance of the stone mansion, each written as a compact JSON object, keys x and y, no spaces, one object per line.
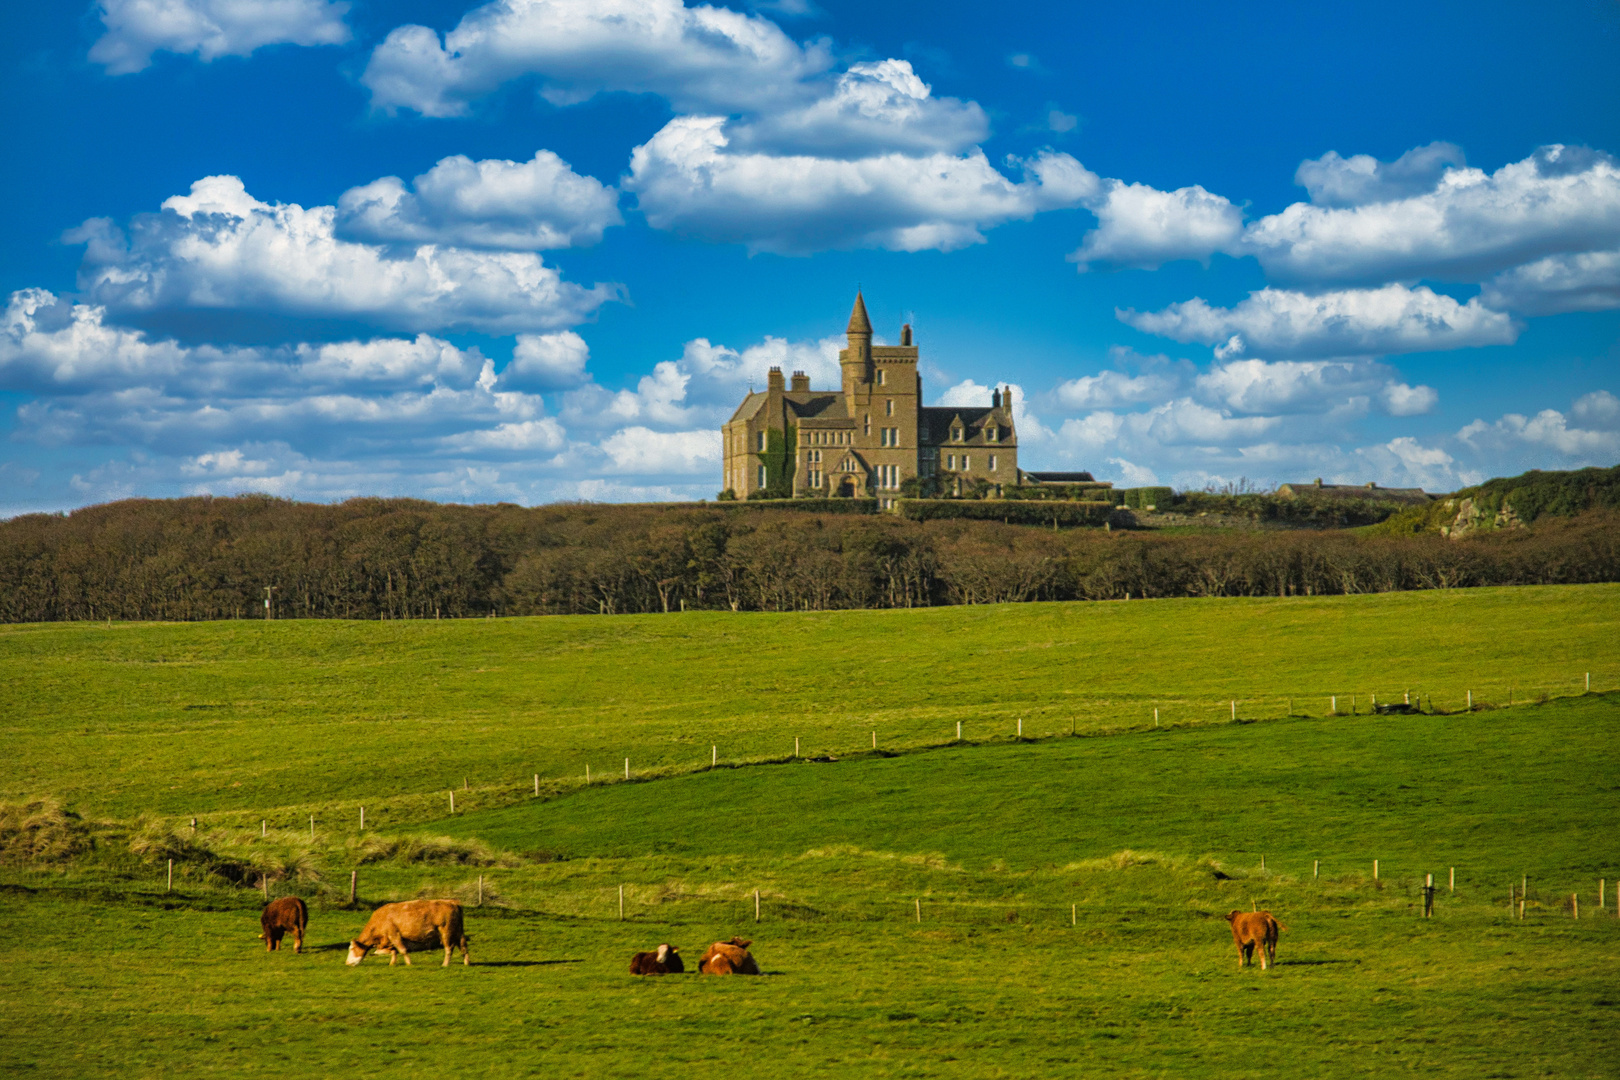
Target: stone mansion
{"x":867,"y":437}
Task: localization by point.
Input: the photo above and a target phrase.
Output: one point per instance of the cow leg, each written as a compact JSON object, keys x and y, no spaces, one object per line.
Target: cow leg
{"x":464,"y":961}
{"x":298,"y":940}
{"x":444,"y":939}
{"x":398,"y":943}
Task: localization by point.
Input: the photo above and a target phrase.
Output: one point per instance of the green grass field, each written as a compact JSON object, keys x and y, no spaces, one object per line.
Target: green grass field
{"x":1002,"y":907}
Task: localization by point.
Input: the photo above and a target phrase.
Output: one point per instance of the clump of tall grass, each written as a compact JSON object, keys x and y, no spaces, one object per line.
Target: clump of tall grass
{"x":154,"y":840}
{"x":40,"y":831}
{"x":431,"y":850}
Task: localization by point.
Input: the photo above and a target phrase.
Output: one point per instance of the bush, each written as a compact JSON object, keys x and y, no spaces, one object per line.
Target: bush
{"x":1014,"y":512}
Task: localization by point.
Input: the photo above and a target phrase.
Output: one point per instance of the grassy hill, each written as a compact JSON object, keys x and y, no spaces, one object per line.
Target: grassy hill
{"x":1046,"y":906}
{"x":288,"y":718}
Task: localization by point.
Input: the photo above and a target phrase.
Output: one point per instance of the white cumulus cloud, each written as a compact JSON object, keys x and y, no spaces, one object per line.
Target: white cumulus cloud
{"x":546,"y":361}
{"x":1310,"y":386}
{"x":220,"y":249}
{"x":1282,"y":323}
{"x":688,"y":180}
{"x":210,"y":28}
{"x":1586,"y":281}
{"x":1361,"y":178}
{"x":1559,"y":200}
{"x":873,"y":108}
{"x":1141,"y":226}
{"x":700,"y":58}
{"x":531,"y":205}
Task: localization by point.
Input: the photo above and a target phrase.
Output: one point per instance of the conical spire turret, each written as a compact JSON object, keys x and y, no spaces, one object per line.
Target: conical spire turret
{"x":858,"y":322}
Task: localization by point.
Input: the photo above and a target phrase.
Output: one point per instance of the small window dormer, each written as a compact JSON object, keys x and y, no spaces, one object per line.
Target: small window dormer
{"x":956,"y":434}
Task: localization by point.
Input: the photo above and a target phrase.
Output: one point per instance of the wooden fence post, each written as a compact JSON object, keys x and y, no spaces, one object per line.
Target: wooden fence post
{"x":1575,"y":904}
{"x":1453,"y":879}
{"x":264,"y":884}
{"x":452,"y":800}
{"x":170,"y":886}
{"x":1333,"y":706}
{"x":1316,"y":869}
{"x":1020,"y":727}
{"x":919,"y":909}
{"x":1375,"y":869}
{"x":714,"y":755}
{"x":621,"y":903}
{"x":362,"y":819}
{"x":959,"y":731}
{"x":263,"y":829}
{"x":1234,"y":710}
{"x":756,"y":905}
{"x":537,"y":785}
{"x":354,"y":881}
{"x":1470,"y":701}
{"x":1074,"y":914}
{"x":1428,"y":896}
{"x":627,"y":768}
{"x":480,"y":890}
{"x":1155,"y":717}
{"x":874,"y":740}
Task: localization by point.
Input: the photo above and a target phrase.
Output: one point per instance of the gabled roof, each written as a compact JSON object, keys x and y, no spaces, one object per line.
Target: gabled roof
{"x":750,"y":405}
{"x":934,"y":421}
{"x":817,"y":405}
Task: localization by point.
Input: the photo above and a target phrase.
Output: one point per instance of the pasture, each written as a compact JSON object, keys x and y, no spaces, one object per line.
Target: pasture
{"x":1002,"y":907}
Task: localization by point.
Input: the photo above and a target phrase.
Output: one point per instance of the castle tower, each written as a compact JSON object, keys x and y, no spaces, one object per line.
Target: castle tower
{"x":857,"y":359}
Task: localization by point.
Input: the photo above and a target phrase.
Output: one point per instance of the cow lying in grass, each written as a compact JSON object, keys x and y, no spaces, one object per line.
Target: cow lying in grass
{"x":1253,"y":930}
{"x":729,"y":958}
{"x":412,"y":926}
{"x":666,"y":961}
{"x":282,"y":915}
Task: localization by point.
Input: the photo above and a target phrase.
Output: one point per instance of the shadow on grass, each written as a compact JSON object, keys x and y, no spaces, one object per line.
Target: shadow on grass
{"x":523,"y":963}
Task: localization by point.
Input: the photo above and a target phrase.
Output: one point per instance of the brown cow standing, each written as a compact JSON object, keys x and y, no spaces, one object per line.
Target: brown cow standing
{"x":666,"y":961}
{"x":729,"y":958}
{"x":415,"y":925}
{"x":280,"y":915}
{"x":1252,"y":930}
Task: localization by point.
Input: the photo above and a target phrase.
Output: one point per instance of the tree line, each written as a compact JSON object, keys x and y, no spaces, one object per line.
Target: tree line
{"x":215,"y":558}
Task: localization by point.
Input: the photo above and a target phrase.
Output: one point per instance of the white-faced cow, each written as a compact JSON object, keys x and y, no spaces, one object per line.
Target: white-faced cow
{"x":666,"y":961}
{"x":412,"y":926}
{"x":729,"y":958}
{"x":283,"y":915}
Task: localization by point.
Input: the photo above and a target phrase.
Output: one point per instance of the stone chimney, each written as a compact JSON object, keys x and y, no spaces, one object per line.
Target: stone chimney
{"x":1006,"y":399}
{"x":995,"y":399}
{"x":773,"y":380}
{"x":905,"y":334}
{"x":801,"y":381}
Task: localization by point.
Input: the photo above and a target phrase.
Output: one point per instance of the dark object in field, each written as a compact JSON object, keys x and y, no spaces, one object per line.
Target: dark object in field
{"x":729,"y":958}
{"x":666,"y":961}
{"x":281,"y":915}
{"x":415,"y":925}
{"x":1399,"y":708}
{"x":1255,"y":929}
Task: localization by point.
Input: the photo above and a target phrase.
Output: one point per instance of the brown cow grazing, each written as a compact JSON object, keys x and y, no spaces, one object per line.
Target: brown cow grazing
{"x":283,"y":914}
{"x":729,"y":958}
{"x":666,"y":961}
{"x":1253,"y":930}
{"x":412,"y":926}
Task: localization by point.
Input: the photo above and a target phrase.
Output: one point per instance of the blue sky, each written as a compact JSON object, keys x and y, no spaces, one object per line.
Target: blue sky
{"x":529,"y":251}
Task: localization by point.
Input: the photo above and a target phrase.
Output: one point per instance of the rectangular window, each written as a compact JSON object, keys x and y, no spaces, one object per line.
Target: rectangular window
{"x":762,"y":476}
{"x":950,"y":462}
{"x":866,"y":424}
{"x":888,"y":407}
{"x":956,"y":434}
{"x":992,"y":434}
{"x":880,"y":374}
{"x":966,"y":464}
{"x":992,"y":463}
{"x":759,"y":440}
